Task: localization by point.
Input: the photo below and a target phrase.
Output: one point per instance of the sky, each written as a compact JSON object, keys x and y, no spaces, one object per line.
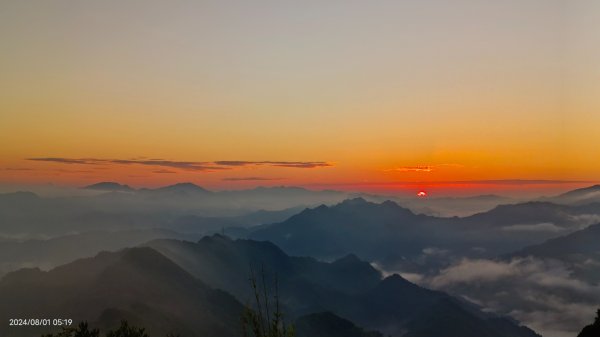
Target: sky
{"x":461,"y":96}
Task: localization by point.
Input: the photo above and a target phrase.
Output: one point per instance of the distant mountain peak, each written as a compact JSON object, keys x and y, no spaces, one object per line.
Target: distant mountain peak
{"x":215,"y":238}
{"x":20,"y":196}
{"x":525,"y":205}
{"x":183,"y":187}
{"x":360,"y":204}
{"x":354,"y":201}
{"x":395,"y":282}
{"x":350,"y":258}
{"x":393,"y":204}
{"x":395,"y":278}
{"x":109,"y":186}
{"x":584,"y":190}
{"x":186,"y":185}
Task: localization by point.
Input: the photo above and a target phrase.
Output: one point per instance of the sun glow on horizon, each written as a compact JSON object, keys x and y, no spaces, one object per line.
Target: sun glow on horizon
{"x":308,"y":97}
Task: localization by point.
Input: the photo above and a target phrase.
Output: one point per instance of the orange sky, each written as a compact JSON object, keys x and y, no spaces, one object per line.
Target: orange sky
{"x":382,"y":95}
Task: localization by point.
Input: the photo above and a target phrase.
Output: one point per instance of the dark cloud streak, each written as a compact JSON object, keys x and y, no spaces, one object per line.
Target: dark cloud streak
{"x":290,"y":164}
{"x":184,"y":165}
{"x":164,"y":171}
{"x":461,"y":182}
{"x":86,"y":161}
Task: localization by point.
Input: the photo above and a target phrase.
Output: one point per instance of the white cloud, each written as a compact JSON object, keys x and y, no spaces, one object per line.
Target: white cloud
{"x":542,"y":294}
{"x":411,"y":277}
{"x":556,"y":322}
{"x":539,"y":227}
{"x":584,"y":220}
{"x":434,"y":251}
{"x":468,"y":270}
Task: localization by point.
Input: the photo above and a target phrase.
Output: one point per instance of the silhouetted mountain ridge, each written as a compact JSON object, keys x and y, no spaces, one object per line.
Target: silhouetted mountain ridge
{"x":390,"y":232}
{"x":348,"y":287}
{"x":138,"y":283}
{"x":49,"y":253}
{"x":180,"y":189}
{"x":579,"y":251}
{"x":109,"y":186}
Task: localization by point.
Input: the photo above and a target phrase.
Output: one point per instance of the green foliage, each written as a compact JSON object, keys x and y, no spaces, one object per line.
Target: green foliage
{"x":125,"y":330}
{"x":265,"y":319}
{"x":330,"y":325}
{"x":82,"y":330}
{"x":592,"y":330}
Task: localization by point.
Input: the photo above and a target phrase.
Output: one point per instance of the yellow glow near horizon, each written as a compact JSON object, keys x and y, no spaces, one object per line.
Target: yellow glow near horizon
{"x":476,"y":90}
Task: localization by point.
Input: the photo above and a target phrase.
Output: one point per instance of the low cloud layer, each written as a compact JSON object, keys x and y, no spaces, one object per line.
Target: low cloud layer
{"x":542,"y":294}
{"x":539,"y":227}
{"x":585,"y":220}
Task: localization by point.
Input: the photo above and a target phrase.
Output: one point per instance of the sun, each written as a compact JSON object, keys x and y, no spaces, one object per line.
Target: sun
{"x":422,"y":194}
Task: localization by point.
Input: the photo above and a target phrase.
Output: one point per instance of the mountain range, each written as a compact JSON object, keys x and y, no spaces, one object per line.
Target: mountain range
{"x":553,"y":286}
{"x":49,"y":253}
{"x":579,"y":250}
{"x":26,"y":215}
{"x":360,"y":257}
{"x":392,"y":235}
{"x":581,"y":196}
{"x":187,"y":292}
{"x":387,"y":233}
{"x":136,"y":284}
{"x":348,"y":287}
